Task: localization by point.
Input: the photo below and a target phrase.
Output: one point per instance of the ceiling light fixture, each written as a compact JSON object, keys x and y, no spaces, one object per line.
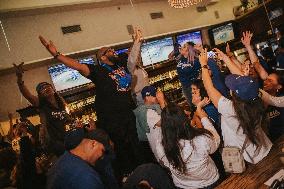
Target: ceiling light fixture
{"x":183,"y":3}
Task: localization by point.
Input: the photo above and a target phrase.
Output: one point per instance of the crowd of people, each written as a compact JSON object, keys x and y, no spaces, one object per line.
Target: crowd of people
{"x":140,"y":140}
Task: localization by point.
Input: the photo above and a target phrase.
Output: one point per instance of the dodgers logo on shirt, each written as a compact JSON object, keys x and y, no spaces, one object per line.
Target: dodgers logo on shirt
{"x":59,"y":114}
{"x":122,"y":79}
{"x":182,"y":64}
{"x":273,"y":114}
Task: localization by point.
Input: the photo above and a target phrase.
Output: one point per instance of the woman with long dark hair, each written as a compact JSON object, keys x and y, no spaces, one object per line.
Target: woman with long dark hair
{"x":198,"y":93}
{"x":185,"y":150}
{"x":52,"y":108}
{"x":243,"y":117}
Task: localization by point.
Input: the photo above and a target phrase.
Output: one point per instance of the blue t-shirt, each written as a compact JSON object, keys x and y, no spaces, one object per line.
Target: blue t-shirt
{"x":71,"y":172}
{"x":212,"y":113}
{"x":218,"y":78}
{"x":187,"y":71}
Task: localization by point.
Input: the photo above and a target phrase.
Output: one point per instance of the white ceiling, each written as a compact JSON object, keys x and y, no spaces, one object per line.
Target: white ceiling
{"x":20,"y":5}
{"x":24,"y":19}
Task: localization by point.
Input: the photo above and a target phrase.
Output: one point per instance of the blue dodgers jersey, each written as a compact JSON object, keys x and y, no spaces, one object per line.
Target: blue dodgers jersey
{"x":187,"y":71}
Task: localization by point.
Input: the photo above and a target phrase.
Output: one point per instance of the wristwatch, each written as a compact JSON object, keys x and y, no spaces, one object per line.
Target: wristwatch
{"x":205,"y":67}
{"x":56,"y":55}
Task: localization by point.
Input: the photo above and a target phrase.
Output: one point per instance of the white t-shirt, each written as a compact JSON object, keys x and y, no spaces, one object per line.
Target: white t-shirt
{"x":233,"y":134}
{"x":201,"y":170}
{"x":155,"y":134}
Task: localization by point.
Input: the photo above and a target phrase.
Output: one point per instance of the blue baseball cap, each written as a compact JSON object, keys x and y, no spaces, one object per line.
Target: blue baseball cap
{"x":245,"y":87}
{"x":148,"y":91}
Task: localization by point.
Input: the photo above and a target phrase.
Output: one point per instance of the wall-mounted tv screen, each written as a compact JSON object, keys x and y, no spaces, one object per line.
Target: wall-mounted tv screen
{"x":223,"y":34}
{"x":156,"y":51}
{"x":194,"y":37}
{"x":87,"y":60}
{"x":64,"y":78}
{"x":119,"y":51}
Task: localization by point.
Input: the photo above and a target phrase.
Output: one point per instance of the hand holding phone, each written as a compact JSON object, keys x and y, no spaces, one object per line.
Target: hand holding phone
{"x":211,"y":54}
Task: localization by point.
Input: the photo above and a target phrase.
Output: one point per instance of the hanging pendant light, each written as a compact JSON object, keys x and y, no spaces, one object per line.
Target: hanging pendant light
{"x":183,"y":3}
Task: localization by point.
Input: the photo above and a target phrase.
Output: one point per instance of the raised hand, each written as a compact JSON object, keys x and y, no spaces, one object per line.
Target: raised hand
{"x":246,"y":39}
{"x":19,"y":70}
{"x":199,"y":111}
{"x":137,"y":35}
{"x":49,"y":46}
{"x":220,"y":54}
{"x":228,"y":50}
{"x":203,"y":59}
{"x":204,"y":102}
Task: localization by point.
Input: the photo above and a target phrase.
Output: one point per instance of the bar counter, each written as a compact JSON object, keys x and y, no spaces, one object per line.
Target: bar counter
{"x":256,"y":175}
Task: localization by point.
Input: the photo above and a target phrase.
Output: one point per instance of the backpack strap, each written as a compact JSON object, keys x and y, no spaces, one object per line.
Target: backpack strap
{"x":244,"y":145}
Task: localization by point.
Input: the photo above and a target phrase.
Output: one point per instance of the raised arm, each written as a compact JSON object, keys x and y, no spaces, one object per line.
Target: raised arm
{"x":69,"y":62}
{"x":272,"y":100}
{"x":212,"y":92}
{"x":234,"y":69}
{"x":246,"y":40}
{"x":22,"y":87}
{"x":135,"y":50}
{"x":232,"y":56}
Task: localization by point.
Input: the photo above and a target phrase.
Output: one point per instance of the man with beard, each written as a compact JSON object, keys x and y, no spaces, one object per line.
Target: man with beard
{"x":113,"y":103}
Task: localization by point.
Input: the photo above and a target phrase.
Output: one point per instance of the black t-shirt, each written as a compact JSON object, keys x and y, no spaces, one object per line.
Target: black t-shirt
{"x":55,"y":120}
{"x":112,"y":96}
{"x":153,"y":174}
{"x":276,"y":127}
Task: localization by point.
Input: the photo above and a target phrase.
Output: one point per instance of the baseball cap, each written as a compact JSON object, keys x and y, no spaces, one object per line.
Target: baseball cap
{"x":74,"y":137}
{"x":102,"y":52}
{"x":245,"y":87}
{"x":148,"y":91}
{"x":41,"y":85}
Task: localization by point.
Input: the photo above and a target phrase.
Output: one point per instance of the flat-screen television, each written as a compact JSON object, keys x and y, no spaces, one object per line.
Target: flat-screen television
{"x":156,"y":51}
{"x":223,"y":34}
{"x":64,"y":78}
{"x":119,"y":51}
{"x":87,"y":60}
{"x":194,"y":37}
